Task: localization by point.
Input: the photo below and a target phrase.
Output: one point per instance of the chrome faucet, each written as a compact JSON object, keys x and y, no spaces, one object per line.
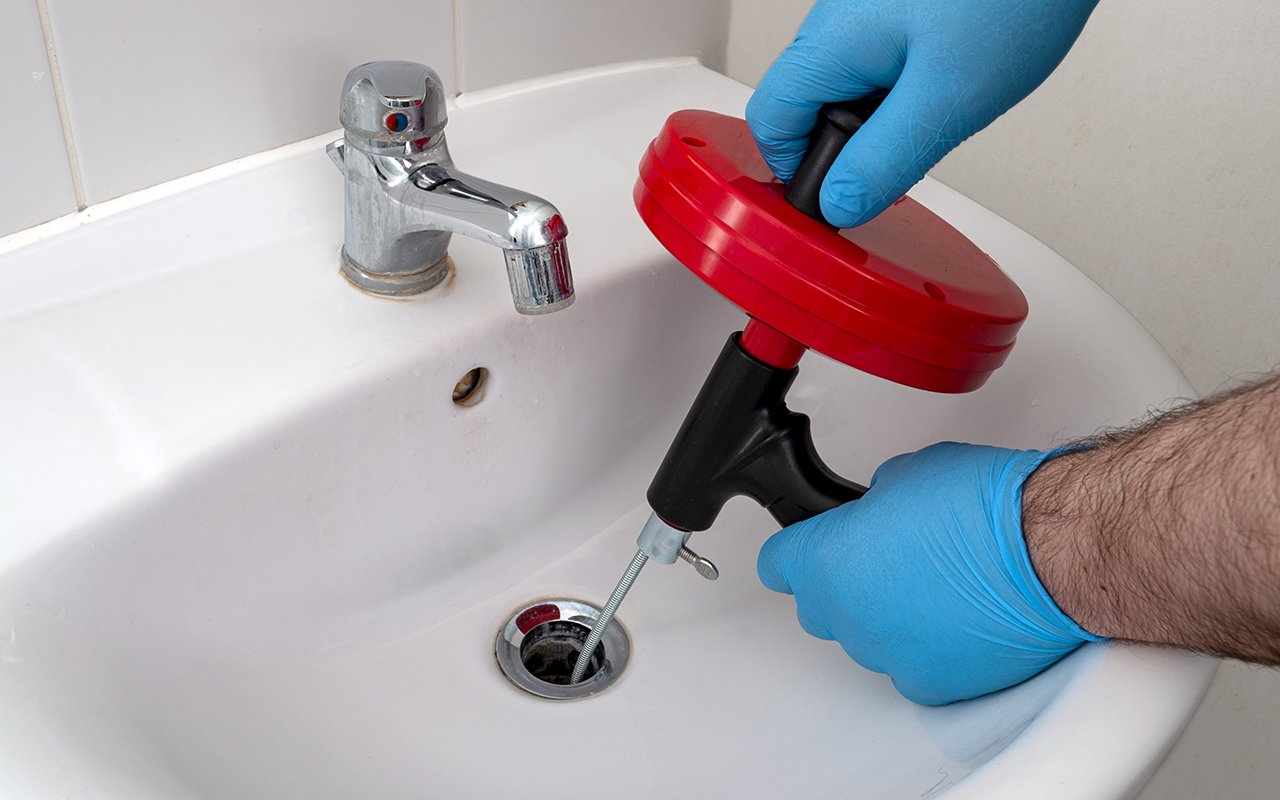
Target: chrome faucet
{"x":405,"y":199}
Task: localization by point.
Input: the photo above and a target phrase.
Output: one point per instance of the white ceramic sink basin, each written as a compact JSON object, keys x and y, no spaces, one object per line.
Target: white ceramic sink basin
{"x":252,"y":549}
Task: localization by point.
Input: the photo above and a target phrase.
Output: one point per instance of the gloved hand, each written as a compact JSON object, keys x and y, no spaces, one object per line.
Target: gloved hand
{"x":927,"y":577}
{"x":953,"y":67}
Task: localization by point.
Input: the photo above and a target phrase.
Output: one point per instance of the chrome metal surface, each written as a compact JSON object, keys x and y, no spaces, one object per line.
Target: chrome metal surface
{"x":540,"y":642}
{"x":397,"y":284}
{"x":538,"y":277}
{"x":405,"y":198}
{"x":660,"y":541}
{"x":392,"y":107}
{"x":704,"y":566}
{"x":601,"y":626}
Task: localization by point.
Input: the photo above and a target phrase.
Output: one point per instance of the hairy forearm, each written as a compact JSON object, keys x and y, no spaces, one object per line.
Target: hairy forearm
{"x":1169,"y":532}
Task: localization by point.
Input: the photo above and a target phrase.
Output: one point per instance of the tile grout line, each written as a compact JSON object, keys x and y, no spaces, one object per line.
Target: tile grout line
{"x":60,"y":97}
{"x":169,"y":188}
{"x":457,"y":47}
{"x":108,"y":208}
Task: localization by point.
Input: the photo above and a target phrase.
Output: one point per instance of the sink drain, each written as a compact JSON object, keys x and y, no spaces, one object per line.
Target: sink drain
{"x":538,"y":647}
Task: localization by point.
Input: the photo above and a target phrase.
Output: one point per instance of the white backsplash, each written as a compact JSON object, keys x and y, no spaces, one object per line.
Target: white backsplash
{"x":500,"y":41}
{"x":156,"y":90}
{"x":35,"y":179}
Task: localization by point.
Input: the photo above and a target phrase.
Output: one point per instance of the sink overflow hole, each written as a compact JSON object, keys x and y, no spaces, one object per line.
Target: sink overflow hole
{"x":550,"y":650}
{"x":470,"y":387}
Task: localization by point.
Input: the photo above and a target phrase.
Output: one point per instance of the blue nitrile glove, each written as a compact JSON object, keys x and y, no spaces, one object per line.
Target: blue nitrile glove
{"x":953,"y":67}
{"x":927,"y":577}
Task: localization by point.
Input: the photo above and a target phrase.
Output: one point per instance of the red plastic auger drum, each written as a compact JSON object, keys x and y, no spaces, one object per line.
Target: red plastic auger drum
{"x":905,"y":296}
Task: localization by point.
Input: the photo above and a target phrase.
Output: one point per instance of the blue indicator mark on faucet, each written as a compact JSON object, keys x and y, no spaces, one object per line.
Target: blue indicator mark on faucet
{"x":396,"y":121}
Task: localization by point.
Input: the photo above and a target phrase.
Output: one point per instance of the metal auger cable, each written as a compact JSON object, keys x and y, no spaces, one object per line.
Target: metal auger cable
{"x":606,"y":616}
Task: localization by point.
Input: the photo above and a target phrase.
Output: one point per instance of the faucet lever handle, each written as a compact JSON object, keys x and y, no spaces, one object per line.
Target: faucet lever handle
{"x":391,"y":106}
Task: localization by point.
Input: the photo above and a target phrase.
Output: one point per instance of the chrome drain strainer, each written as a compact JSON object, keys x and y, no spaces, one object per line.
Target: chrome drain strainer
{"x":537,"y":649}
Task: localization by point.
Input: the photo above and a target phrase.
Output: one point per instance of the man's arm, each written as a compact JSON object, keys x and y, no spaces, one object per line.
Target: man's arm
{"x":1170,"y":532}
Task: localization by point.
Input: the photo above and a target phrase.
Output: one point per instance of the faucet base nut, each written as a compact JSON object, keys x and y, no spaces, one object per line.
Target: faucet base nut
{"x":397,"y":284}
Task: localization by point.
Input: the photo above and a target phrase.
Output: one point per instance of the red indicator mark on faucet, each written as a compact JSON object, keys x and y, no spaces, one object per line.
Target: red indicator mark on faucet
{"x":396,"y":121}
{"x":531,"y":618}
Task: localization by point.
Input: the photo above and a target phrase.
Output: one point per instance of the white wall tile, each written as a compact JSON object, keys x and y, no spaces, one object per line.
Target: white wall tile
{"x":157,"y":89}
{"x":759,"y":30}
{"x":35,"y":180}
{"x":1149,"y":160}
{"x":501,"y":41}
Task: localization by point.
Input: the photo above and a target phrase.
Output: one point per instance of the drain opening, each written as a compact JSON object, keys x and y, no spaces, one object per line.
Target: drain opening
{"x":539,"y":645}
{"x":550,"y":650}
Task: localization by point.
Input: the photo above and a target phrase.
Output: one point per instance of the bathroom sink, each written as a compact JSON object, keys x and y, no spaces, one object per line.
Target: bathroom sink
{"x":253,"y":548}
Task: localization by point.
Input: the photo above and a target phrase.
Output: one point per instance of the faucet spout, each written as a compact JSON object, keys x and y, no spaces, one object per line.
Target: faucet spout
{"x":530,"y":230}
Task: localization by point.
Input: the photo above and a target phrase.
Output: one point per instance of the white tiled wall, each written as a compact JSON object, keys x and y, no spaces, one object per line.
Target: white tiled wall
{"x":35,"y":180}
{"x":157,"y":89}
{"x":500,"y":41}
